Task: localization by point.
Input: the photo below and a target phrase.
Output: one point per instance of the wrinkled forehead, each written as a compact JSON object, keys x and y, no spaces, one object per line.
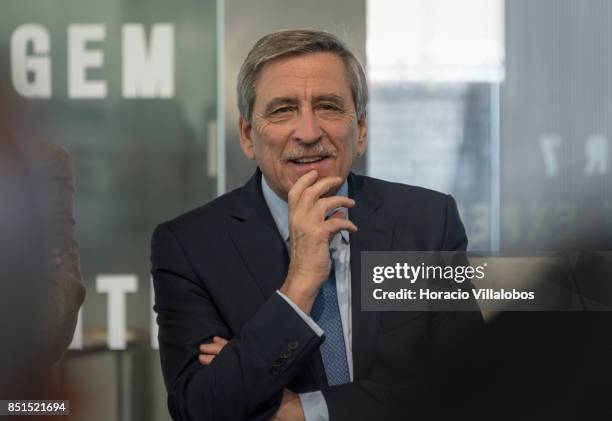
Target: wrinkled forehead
{"x":303,"y":77}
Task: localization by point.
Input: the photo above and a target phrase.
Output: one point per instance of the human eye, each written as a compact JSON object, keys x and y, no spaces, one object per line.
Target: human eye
{"x":329,"y":107}
{"x":282,"y":110}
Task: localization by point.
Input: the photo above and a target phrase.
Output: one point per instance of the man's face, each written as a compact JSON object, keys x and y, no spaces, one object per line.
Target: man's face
{"x":303,"y":119}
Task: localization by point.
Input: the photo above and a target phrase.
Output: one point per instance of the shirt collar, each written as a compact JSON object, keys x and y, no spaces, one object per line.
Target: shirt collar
{"x":280,"y":209}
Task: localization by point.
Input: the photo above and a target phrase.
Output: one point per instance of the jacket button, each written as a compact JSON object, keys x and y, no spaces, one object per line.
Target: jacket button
{"x":293,"y":345}
{"x":285,"y":354}
{"x":274,"y":371}
{"x":277,"y":363}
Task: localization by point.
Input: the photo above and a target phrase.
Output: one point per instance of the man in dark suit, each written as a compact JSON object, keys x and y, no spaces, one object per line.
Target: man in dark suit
{"x":258,"y":292}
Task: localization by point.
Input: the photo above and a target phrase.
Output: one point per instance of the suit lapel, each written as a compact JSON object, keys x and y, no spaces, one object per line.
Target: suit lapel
{"x":374,"y":233}
{"x":257,"y":239}
{"x":264,"y":253}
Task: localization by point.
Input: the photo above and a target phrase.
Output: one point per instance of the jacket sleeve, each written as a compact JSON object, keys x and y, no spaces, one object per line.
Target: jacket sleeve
{"x":246,"y":379}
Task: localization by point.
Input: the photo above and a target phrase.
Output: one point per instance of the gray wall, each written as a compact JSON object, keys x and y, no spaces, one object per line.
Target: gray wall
{"x":245,"y":22}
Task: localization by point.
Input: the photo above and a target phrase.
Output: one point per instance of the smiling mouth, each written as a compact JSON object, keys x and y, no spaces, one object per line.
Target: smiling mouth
{"x":308,"y":160}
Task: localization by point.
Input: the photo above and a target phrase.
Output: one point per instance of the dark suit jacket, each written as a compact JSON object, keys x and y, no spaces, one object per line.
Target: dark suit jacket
{"x":216,"y":270}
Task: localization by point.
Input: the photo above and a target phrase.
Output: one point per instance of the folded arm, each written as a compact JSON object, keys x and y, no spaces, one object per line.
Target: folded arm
{"x":246,"y":380}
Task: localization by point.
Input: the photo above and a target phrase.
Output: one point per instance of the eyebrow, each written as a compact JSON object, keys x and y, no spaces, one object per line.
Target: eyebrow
{"x":285,"y":100}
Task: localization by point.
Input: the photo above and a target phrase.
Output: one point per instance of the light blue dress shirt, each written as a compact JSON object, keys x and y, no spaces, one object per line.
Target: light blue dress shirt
{"x":313,"y":403}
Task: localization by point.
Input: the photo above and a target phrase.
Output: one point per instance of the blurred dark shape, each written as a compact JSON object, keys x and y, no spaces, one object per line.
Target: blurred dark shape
{"x":527,"y":366}
{"x":40,"y":293}
{"x":23,"y":285}
{"x":532,"y":365}
{"x":52,"y":168}
{"x":594,"y":279}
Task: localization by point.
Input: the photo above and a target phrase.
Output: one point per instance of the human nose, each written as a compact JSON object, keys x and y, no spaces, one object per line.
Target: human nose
{"x":307,"y":128}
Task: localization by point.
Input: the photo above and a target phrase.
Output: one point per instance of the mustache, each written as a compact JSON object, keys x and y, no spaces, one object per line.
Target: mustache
{"x":317,"y":149}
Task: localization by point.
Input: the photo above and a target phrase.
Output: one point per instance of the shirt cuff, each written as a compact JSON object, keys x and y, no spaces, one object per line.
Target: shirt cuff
{"x":314,"y":406}
{"x":303,"y":315}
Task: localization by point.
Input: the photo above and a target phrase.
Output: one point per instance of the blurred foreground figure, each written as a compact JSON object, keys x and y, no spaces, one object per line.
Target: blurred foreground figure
{"x":41,"y":289}
{"x":65,"y":286}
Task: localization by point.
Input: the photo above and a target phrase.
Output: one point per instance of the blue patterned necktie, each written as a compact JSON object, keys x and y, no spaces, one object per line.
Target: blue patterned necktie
{"x":326,"y":313}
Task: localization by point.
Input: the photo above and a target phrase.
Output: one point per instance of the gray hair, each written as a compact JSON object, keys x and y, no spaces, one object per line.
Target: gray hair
{"x":295,"y":42}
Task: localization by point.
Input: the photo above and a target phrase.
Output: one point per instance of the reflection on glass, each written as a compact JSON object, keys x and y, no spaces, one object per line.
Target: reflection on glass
{"x":433,"y":111}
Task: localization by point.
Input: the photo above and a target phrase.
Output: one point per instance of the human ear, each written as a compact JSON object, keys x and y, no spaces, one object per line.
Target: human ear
{"x":363,"y":135}
{"x":246,"y":140}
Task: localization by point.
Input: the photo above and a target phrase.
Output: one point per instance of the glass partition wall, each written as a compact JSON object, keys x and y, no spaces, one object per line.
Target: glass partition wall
{"x":434,"y":111}
{"x":129,"y":88}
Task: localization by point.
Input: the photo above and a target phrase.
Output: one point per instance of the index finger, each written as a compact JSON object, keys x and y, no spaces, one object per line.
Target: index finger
{"x":319,"y":190}
{"x":220,"y":340}
{"x":300,"y":185}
